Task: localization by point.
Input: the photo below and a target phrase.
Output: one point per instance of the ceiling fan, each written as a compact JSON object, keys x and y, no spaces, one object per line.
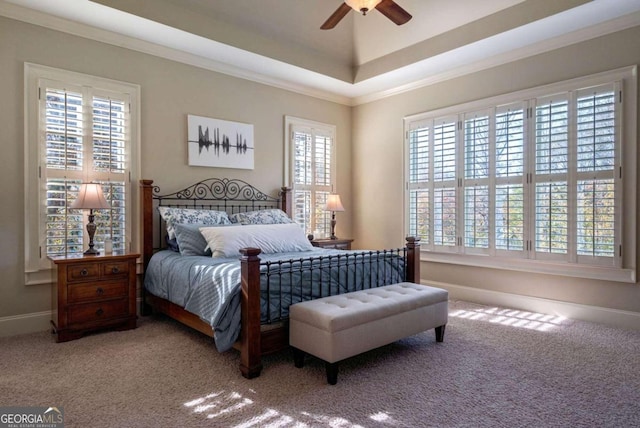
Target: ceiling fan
{"x":388,"y":8}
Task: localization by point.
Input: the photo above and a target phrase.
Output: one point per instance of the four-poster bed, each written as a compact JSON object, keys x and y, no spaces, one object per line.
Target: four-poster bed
{"x":266,"y":284}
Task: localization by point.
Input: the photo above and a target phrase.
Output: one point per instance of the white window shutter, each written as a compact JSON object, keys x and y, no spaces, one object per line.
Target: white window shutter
{"x":510,"y":200}
{"x":551,"y":177}
{"x":86,"y":138}
{"x":538,"y":177}
{"x":312,"y":147}
{"x":419,"y":185}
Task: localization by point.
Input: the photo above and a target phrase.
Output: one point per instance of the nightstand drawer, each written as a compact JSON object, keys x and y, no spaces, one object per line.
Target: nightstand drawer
{"x":94,"y":291}
{"x":341,"y":246}
{"x":95,"y":312}
{"x":339,"y":243}
{"x":115,"y":268}
{"x":83,"y":272}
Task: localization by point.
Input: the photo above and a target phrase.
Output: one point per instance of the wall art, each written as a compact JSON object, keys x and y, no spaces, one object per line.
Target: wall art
{"x":219,"y":143}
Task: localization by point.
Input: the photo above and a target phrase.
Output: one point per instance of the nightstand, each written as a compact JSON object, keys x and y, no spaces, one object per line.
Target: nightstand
{"x":93,"y":293}
{"x":339,"y":243}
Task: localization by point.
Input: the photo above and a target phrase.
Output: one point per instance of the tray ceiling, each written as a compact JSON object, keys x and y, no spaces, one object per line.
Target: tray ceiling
{"x":279,"y":42}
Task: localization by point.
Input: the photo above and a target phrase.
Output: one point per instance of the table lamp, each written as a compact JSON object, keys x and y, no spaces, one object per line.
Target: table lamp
{"x":333,"y":205}
{"x":90,"y":197}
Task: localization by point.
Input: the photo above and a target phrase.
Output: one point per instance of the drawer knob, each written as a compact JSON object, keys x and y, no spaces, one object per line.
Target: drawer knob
{"x":115,"y":269}
{"x":99,"y":291}
{"x":84,"y":272}
{"x":99,"y":312}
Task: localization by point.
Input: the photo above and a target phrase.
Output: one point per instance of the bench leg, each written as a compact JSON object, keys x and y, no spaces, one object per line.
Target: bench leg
{"x":298,"y":358}
{"x":332,"y":373}
{"x":440,"y":333}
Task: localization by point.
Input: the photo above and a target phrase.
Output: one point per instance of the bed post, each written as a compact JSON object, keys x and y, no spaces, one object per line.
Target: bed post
{"x":146,"y":189}
{"x":146,"y":210}
{"x":250,"y":344}
{"x":413,"y":259}
{"x":285,"y":200}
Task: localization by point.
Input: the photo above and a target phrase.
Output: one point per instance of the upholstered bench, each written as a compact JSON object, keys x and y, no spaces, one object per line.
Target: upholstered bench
{"x":337,"y":327}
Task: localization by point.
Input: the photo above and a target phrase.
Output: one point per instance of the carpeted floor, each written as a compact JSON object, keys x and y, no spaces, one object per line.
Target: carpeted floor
{"x":496,"y":368}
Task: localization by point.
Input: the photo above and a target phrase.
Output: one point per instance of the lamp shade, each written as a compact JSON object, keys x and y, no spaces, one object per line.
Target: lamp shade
{"x":90,"y":196}
{"x":334,"y":203}
{"x":363,"y":5}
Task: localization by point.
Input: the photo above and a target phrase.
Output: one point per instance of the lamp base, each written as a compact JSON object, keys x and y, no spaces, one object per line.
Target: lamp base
{"x":91,"y":230}
{"x":333,"y":225}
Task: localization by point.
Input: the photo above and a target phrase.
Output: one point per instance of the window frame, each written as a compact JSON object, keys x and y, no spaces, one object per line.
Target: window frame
{"x":37,"y":267}
{"x":292,"y":123}
{"x":623,"y":266}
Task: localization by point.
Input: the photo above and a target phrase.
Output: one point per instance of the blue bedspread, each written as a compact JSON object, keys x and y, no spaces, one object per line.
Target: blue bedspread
{"x":210,"y":288}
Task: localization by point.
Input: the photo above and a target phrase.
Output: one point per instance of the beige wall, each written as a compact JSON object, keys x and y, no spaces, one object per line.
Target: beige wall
{"x":377,"y":146}
{"x":370,"y":169}
{"x":169,"y":91}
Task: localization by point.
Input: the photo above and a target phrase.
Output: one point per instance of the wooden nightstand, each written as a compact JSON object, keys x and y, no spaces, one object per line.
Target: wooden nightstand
{"x":339,"y":243}
{"x":93,"y":293}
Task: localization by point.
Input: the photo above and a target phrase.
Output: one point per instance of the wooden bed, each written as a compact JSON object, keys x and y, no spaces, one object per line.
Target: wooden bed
{"x":232,"y":196}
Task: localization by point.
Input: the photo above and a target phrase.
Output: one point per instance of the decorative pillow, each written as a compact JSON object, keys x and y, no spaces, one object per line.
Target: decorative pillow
{"x":273,"y":216}
{"x":172,"y":244}
{"x":190,"y":240}
{"x":173,"y":216}
{"x":270,"y":238}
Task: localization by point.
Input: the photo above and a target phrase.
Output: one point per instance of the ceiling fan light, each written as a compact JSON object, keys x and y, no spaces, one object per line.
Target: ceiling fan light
{"x":362,"y":5}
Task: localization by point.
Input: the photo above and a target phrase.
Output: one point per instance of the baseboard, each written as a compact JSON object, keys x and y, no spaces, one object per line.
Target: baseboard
{"x":596,"y":314}
{"x":25,"y":323}
{"x":31,"y":323}
{"x":40,"y":321}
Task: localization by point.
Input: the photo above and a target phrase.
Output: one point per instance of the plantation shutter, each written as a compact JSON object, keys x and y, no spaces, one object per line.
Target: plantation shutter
{"x":597,"y":130}
{"x":313,"y":178}
{"x":532,"y":180}
{"x":476,"y":182}
{"x":419,"y":182}
{"x":302,"y":144}
{"x":110,"y":130}
{"x":551,"y":177}
{"x":444,"y":184}
{"x":85,"y":138}
{"x":64,"y":123}
{"x":510,"y":192}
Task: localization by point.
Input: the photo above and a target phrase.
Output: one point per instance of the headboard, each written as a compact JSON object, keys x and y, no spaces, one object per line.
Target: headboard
{"x":221,"y":194}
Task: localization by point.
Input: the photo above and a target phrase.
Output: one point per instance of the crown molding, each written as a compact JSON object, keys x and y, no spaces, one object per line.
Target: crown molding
{"x":42,"y":19}
{"x":603,"y":29}
{"x":200,"y":52}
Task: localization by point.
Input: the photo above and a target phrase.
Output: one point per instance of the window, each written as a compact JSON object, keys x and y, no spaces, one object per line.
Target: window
{"x":535,"y":176}
{"x":80,"y":129}
{"x":311,"y":172}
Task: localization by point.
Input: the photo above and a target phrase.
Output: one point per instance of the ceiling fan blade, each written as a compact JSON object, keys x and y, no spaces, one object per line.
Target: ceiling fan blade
{"x":391,"y":10}
{"x":333,"y":20}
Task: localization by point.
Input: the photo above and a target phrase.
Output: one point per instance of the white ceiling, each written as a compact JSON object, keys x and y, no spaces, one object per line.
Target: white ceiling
{"x":278,"y":42}
{"x":375,"y":37}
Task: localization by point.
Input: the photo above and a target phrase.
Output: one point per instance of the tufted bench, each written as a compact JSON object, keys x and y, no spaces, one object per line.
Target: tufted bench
{"x":337,"y":327}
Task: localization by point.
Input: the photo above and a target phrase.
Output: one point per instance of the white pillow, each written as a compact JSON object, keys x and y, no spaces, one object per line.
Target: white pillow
{"x":270,"y":238}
